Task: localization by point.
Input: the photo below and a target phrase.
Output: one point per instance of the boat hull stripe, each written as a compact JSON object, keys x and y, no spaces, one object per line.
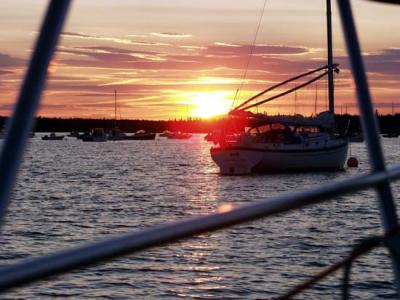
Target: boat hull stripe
{"x":214,"y":150}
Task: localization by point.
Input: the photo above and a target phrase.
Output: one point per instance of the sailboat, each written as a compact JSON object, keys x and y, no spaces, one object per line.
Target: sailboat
{"x":94,"y":135}
{"x":258,"y":142}
{"x":116,"y":134}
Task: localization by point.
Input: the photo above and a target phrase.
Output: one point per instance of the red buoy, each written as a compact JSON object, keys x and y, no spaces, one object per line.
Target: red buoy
{"x":352,"y":162}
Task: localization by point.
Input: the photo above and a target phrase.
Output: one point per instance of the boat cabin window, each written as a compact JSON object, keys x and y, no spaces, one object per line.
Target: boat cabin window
{"x":265,"y":128}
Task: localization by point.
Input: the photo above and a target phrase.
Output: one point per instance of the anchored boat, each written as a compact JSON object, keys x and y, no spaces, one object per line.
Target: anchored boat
{"x":52,"y":137}
{"x":177,"y":135}
{"x":141,"y":135}
{"x":257,"y":142}
{"x":281,"y":144}
{"x":95,"y":135}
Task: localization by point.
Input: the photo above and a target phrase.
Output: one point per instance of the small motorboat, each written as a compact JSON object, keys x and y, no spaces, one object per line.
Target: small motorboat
{"x":52,"y":137}
{"x":176,"y":135}
{"x":165,"y":133}
{"x":180,"y":136}
{"x":74,"y":134}
{"x":141,"y":135}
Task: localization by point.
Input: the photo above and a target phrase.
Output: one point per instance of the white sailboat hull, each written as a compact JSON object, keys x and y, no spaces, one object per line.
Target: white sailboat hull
{"x":235,"y":161}
{"x":241,"y":160}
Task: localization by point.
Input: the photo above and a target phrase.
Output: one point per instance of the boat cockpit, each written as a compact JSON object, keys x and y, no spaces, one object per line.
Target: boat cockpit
{"x":283,"y":133}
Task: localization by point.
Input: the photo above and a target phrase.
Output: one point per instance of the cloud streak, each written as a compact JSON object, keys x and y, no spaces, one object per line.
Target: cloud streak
{"x":171,"y":35}
{"x":7,"y":61}
{"x":236,"y":49}
{"x":117,"y":40}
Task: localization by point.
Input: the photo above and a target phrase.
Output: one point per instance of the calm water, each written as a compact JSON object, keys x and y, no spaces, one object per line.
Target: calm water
{"x":70,"y":192}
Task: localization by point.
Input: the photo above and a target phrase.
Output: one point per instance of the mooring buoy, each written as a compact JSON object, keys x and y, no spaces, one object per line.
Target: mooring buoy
{"x":352,"y":162}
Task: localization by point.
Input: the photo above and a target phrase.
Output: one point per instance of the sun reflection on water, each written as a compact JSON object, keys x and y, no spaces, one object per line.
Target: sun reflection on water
{"x":226,"y":207}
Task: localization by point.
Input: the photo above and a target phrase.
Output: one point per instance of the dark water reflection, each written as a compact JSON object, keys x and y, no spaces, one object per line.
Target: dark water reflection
{"x":70,"y":192}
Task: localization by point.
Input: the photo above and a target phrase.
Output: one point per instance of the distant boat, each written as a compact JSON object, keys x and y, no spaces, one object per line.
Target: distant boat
{"x":74,"y":134}
{"x":212,"y":136}
{"x":116,"y":134}
{"x":391,"y":135}
{"x":355,"y":137}
{"x":180,"y":136}
{"x":52,"y":137}
{"x":176,"y":135}
{"x":165,"y":133}
{"x":141,"y":135}
{"x":95,"y":135}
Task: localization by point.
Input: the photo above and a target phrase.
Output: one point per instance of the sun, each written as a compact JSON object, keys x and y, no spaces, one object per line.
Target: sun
{"x":210,"y":104}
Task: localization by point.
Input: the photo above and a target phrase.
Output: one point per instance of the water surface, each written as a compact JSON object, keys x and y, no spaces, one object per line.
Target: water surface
{"x":70,"y":192}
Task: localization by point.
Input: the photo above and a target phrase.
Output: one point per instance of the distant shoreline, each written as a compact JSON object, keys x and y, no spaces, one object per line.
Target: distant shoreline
{"x":388,"y":123}
{"x":81,"y":125}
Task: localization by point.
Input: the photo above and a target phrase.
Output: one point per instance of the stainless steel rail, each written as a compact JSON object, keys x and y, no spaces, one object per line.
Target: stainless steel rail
{"x":45,"y":266}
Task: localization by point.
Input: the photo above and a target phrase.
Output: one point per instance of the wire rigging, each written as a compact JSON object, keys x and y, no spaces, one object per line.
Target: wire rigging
{"x":283,"y":93}
{"x":281,"y":84}
{"x":252,"y":47}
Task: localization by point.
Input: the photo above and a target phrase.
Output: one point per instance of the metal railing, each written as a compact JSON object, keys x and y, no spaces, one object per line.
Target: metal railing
{"x":21,"y":123}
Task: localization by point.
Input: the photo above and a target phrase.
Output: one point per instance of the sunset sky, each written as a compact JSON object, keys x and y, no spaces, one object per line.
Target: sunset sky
{"x":180,"y":58}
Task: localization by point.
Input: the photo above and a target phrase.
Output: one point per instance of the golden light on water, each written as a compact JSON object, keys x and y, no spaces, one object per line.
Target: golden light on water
{"x":211,"y":104}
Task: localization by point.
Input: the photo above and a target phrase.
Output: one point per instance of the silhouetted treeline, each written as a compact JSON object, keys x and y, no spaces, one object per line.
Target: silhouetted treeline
{"x":82,"y":125}
{"x":388,"y":123}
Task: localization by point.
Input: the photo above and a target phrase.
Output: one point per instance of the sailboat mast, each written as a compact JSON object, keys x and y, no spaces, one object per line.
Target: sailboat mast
{"x":330,"y":57}
{"x":115,"y":108}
